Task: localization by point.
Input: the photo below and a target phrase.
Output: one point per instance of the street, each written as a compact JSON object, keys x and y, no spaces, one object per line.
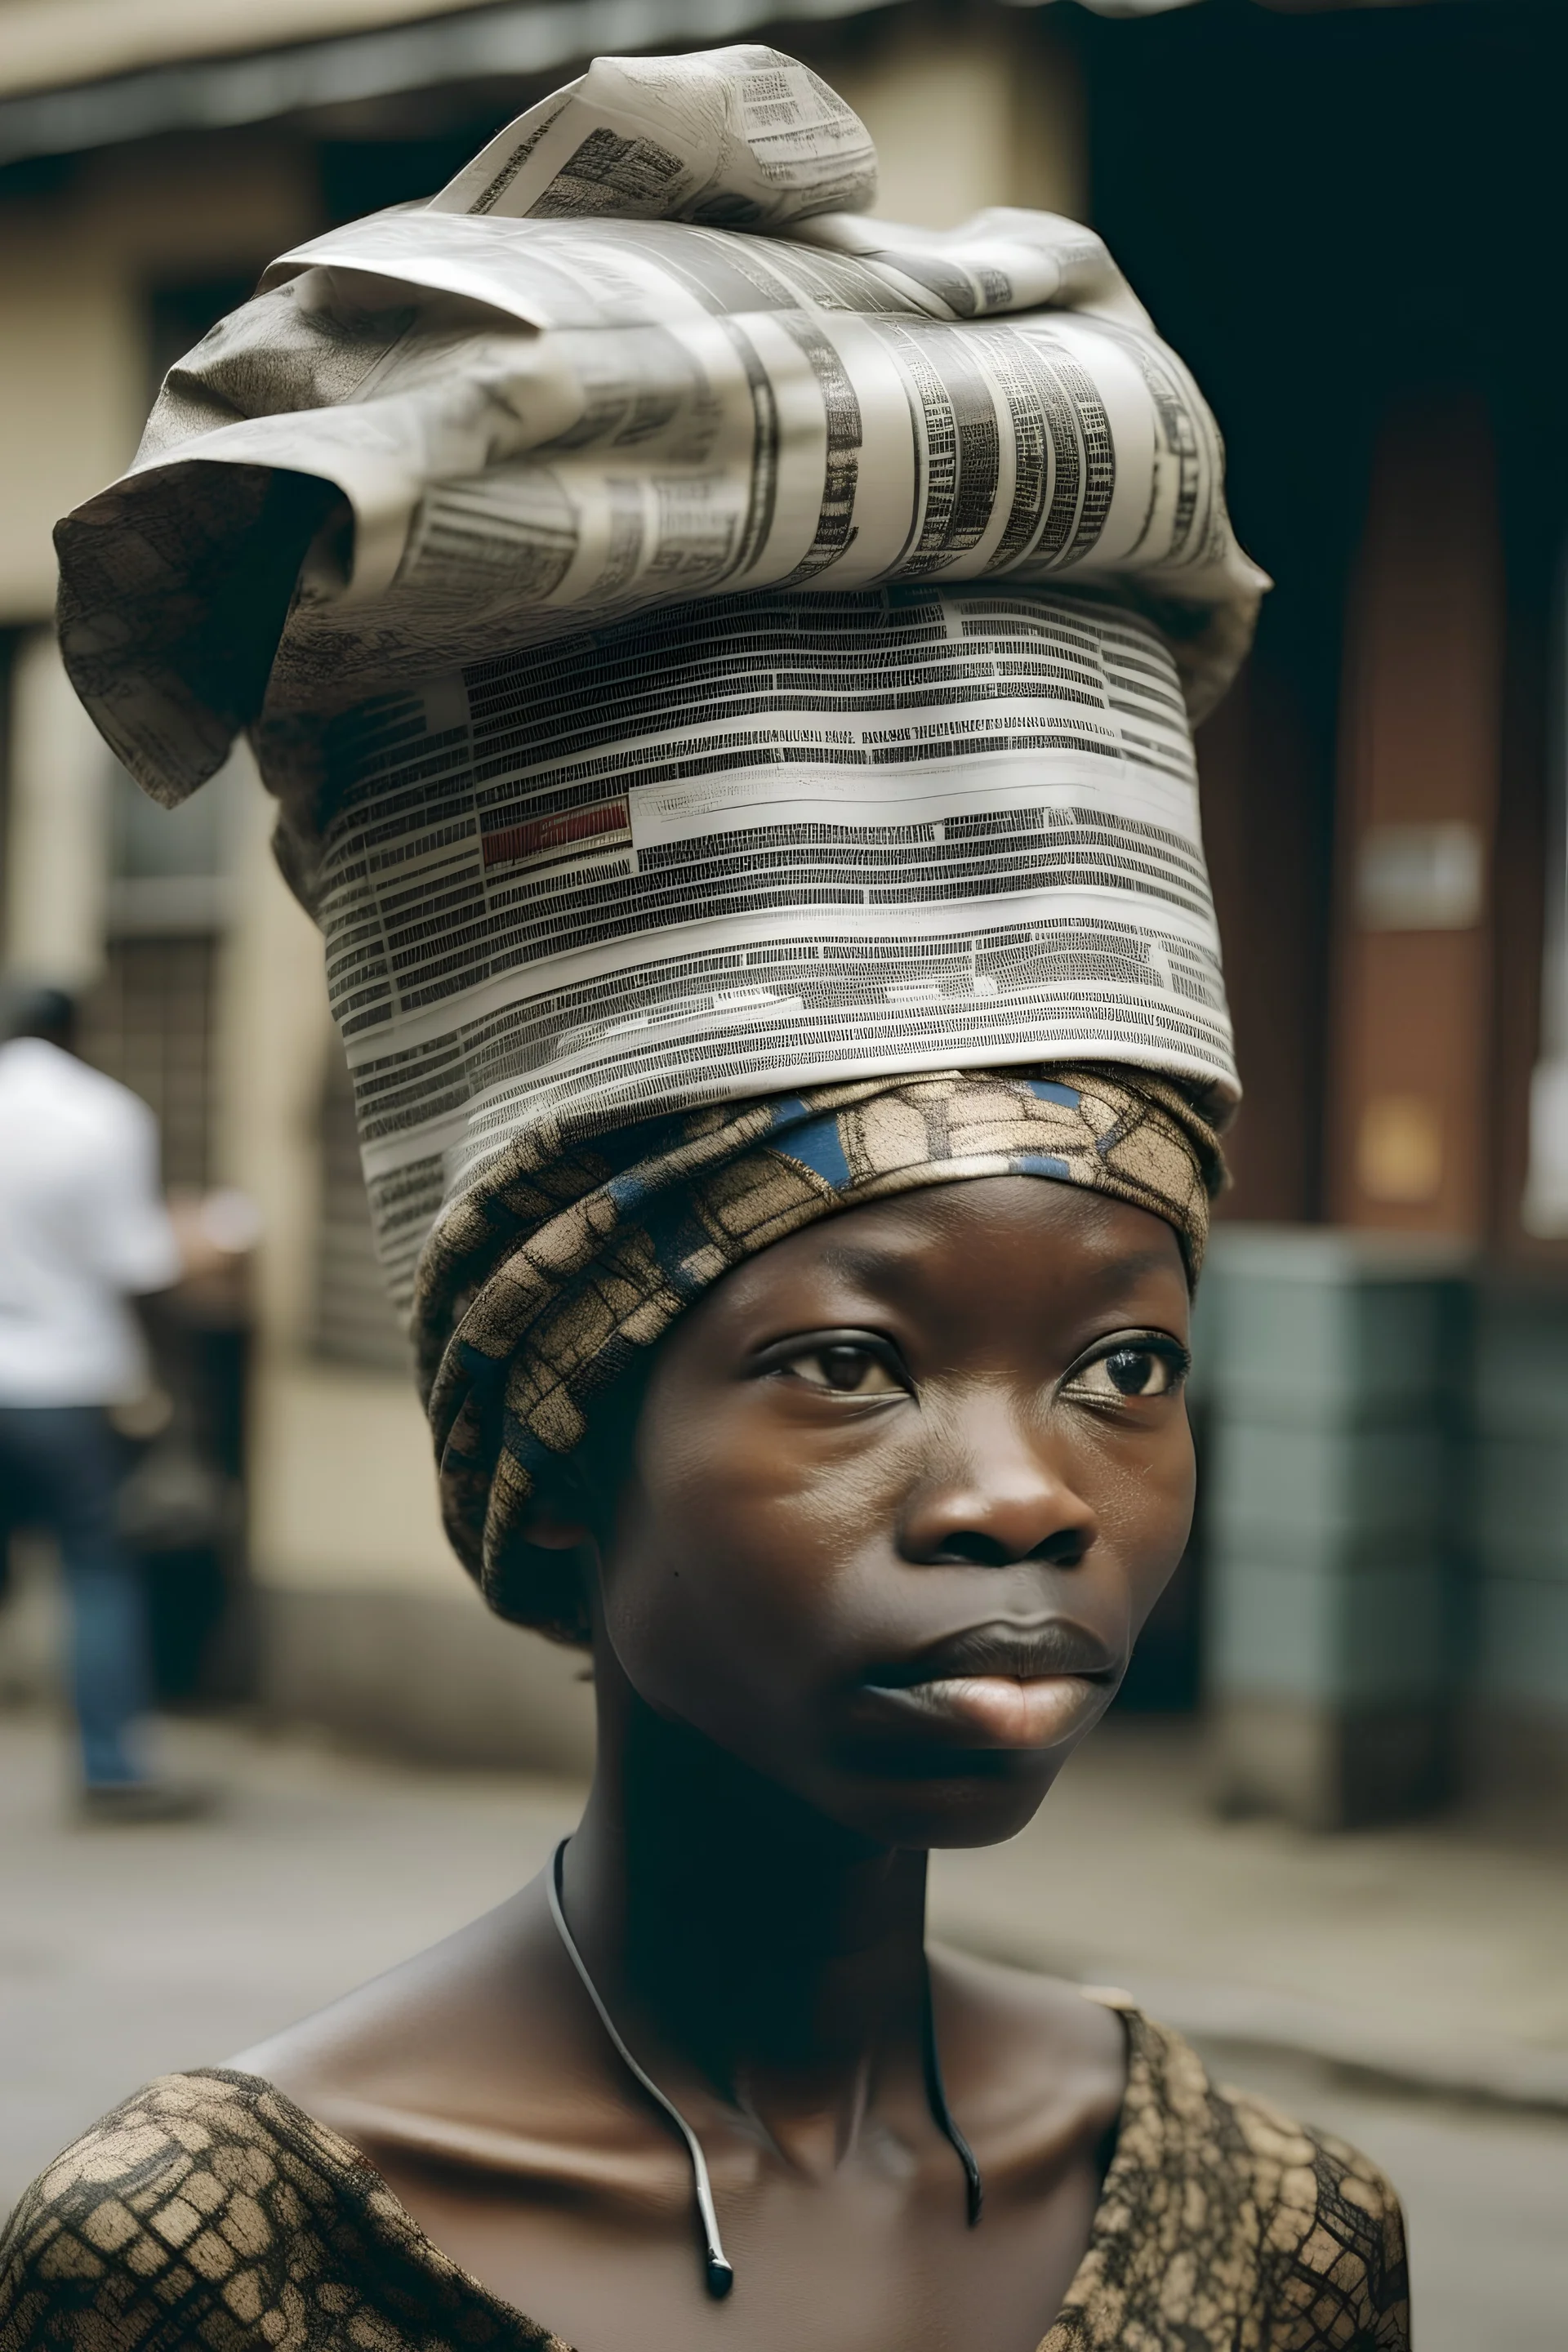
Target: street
{"x":127,"y":1953}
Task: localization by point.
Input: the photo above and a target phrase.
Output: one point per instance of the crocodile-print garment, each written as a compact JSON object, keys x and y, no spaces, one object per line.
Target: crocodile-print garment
{"x":208,"y":2210}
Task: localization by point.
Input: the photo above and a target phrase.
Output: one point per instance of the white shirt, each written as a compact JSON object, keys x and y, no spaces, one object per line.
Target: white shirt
{"x":82,"y":1228}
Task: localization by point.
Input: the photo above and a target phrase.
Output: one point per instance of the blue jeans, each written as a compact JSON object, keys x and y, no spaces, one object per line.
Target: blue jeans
{"x":61,"y":1465}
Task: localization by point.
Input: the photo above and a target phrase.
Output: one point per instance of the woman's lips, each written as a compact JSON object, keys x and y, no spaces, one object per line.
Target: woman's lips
{"x":990,"y":1710}
{"x":1010,"y":1684}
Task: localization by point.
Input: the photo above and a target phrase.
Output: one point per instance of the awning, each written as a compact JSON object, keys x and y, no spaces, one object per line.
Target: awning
{"x":182,"y":65}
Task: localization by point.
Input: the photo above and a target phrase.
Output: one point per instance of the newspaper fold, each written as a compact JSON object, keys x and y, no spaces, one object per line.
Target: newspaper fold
{"x":543,"y":405}
{"x":739,"y":138}
{"x":704,"y":639}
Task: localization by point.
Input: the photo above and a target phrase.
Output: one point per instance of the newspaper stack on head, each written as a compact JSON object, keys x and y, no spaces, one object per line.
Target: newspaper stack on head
{"x":705,"y":640}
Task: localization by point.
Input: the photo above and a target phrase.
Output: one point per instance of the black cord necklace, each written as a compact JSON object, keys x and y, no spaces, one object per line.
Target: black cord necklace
{"x":718,"y":2270}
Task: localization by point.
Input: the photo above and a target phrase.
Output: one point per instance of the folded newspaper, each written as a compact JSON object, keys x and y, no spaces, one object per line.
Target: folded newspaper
{"x":704,"y":637}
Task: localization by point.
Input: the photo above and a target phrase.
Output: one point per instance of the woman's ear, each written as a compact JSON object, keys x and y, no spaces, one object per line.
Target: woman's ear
{"x":550,"y":1522}
{"x":556,"y":1517}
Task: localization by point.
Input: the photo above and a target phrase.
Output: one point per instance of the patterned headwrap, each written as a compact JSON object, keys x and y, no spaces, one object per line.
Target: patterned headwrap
{"x":536,"y":1296}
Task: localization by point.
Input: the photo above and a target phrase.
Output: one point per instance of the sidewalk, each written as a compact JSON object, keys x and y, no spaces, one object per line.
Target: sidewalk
{"x":1434,"y":1957}
{"x":131,"y":1952}
{"x":1431,"y":1958}
{"x":1422,"y":1957}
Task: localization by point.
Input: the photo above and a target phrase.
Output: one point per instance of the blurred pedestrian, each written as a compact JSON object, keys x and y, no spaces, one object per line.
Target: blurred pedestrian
{"x":83,"y":1230}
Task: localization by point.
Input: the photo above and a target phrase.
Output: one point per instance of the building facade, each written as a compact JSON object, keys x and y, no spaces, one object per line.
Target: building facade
{"x":1345,"y":218}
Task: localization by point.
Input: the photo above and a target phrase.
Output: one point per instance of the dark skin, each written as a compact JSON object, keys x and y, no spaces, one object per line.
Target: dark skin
{"x":899,"y":1494}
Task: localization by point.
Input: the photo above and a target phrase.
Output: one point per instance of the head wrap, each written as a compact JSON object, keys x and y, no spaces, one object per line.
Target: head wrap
{"x":726,"y":665}
{"x":537,"y":1294}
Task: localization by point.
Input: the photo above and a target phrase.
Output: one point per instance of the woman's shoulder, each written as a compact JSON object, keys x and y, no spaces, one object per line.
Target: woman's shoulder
{"x":208,"y":2210}
{"x":1226,"y":2221}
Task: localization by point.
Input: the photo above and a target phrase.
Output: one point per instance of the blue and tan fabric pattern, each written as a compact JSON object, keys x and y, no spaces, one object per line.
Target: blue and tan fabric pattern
{"x":539,"y":1288}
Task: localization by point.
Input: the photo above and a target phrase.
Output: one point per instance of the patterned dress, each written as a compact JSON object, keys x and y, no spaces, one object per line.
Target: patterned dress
{"x":209,"y":2211}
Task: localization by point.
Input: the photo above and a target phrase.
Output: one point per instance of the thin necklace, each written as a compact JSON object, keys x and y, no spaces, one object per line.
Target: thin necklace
{"x":718,"y":2270}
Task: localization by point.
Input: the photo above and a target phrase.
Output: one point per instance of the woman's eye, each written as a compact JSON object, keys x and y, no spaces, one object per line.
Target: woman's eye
{"x":845,"y":1369}
{"x":1129,"y":1372}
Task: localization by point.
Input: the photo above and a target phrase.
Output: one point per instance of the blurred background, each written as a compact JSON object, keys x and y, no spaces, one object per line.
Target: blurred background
{"x":1326,"y":1830}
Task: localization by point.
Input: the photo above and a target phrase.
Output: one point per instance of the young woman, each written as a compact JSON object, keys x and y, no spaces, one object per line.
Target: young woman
{"x":863,"y":1552}
{"x":802,"y":1295}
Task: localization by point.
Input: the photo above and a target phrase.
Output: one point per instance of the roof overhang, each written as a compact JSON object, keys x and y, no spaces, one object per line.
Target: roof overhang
{"x":184,"y":66}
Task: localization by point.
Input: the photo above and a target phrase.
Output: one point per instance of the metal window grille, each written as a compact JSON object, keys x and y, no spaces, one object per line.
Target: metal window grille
{"x":148,"y":1022}
{"x":355,"y":1322}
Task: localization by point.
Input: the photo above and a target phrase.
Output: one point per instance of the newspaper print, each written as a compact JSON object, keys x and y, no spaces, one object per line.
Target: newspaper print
{"x":536,"y":422}
{"x":694,"y":659}
{"x":758,"y":842}
{"x":736,"y":137}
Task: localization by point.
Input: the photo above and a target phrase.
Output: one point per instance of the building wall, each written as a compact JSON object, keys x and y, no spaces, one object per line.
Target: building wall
{"x":53,"y":883}
{"x":362,"y":1616}
{"x":1517,"y":1717}
{"x":966,"y":111}
{"x":78,"y":251}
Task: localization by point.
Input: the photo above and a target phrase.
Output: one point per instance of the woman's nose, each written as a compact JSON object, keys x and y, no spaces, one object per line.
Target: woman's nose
{"x":1001,"y":1496}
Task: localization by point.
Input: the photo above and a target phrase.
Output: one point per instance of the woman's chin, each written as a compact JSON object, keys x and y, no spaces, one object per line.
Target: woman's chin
{"x":977,"y":1797}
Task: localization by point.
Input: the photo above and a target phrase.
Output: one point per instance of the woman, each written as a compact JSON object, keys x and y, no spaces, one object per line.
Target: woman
{"x":787,"y":1027}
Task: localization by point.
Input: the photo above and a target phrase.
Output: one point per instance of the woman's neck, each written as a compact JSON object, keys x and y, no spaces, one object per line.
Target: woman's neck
{"x":733,"y":1930}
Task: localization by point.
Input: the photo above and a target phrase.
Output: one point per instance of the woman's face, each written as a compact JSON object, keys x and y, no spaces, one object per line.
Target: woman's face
{"x":904,"y":1488}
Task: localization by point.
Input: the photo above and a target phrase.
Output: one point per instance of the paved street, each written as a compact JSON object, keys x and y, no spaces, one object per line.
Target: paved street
{"x":125,"y":1953}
